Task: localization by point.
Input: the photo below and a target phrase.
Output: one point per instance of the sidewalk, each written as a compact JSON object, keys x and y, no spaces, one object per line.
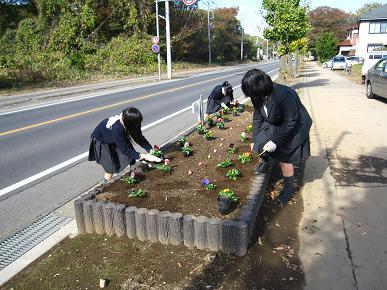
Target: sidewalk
{"x":343,"y":233}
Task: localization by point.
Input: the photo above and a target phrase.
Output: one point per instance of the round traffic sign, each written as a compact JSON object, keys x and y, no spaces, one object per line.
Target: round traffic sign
{"x":189,"y":2}
{"x":155,"y":48}
{"x":155,"y":39}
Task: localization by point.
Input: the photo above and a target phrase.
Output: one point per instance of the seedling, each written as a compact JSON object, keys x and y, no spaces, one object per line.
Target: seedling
{"x":219,"y":114}
{"x":226,"y":119}
{"x":220,"y":125}
{"x":240,"y":109}
{"x":229,"y":194}
{"x":249,"y":128}
{"x":226,"y":111}
{"x":233,"y":174}
{"x":245,"y":157}
{"x":187,"y":151}
{"x":243,"y":137}
{"x":157,"y":152}
{"x":232,"y":148}
{"x":210,"y":122}
{"x":162,"y":167}
{"x":137,"y":193}
{"x":182,"y":141}
{"x":131,"y":179}
{"x":226,"y":163}
{"x":208,"y":185}
{"x":208,"y":135}
{"x":201,"y":129}
{"x":235,"y":111}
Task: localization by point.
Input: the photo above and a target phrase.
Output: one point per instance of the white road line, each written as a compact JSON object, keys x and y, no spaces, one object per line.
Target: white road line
{"x":98,"y":95}
{"x":84,"y":155}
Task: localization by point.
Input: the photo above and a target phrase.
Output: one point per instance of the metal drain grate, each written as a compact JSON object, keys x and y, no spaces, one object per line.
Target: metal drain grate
{"x":24,"y":240}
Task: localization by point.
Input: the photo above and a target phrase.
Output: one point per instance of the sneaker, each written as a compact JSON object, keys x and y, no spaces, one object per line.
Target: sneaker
{"x":262,"y":168}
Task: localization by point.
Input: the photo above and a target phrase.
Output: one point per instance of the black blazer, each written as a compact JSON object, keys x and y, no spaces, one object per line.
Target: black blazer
{"x":287,"y":124}
{"x":215,"y":100}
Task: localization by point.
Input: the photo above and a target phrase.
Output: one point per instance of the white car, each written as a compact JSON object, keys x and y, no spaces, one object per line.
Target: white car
{"x":327,"y":64}
{"x":338,"y":62}
{"x":351,"y":60}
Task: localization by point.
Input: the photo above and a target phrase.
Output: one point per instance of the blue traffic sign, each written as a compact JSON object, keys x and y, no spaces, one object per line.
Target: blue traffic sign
{"x":155,"y":48}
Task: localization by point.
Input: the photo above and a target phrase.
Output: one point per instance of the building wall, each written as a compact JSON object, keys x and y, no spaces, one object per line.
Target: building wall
{"x":365,"y":38}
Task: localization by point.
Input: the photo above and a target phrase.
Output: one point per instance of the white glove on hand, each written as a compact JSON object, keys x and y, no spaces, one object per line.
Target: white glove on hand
{"x":270,"y":146}
{"x":150,"y":158}
{"x":224,"y":105}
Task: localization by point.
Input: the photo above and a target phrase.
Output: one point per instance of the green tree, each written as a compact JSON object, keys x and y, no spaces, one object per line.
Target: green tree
{"x":288,"y":22}
{"x":326,"y":46}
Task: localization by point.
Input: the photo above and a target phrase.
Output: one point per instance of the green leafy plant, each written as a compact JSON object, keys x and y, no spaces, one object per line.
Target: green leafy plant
{"x":233,"y":174}
{"x":225,"y":163}
{"x":220,"y":125}
{"x":163,"y":167}
{"x":245,"y":157}
{"x":182,"y":141}
{"x":210,"y":122}
{"x":229,"y":194}
{"x":219,"y":114}
{"x":208,"y":185}
{"x":130,"y":179}
{"x":243,"y":137}
{"x":240,"y":109}
{"x":226,"y":111}
{"x":137,"y":193}
{"x":235,"y":111}
{"x":232,"y":149}
{"x":249,"y":128}
{"x":156,"y":151}
{"x":209,"y":135}
{"x":201,"y":129}
{"x":187,"y":150}
{"x":226,"y":119}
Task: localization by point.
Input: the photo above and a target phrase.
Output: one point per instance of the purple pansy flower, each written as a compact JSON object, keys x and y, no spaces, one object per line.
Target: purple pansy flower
{"x":205,"y":182}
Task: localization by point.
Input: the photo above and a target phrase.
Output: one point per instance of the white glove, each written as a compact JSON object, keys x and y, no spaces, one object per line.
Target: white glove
{"x":150,"y":158}
{"x":224,"y":105}
{"x":270,"y":146}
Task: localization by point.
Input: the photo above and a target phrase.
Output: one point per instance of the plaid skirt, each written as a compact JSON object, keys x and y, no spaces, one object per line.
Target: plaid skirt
{"x":108,"y":156}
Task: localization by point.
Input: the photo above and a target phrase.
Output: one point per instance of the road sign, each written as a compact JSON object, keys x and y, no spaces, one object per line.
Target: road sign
{"x":189,"y":2}
{"x":155,"y":39}
{"x":155,"y":48}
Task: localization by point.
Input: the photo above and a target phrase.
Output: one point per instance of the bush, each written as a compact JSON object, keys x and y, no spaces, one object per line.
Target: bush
{"x":326,"y":46}
{"x":124,"y":56}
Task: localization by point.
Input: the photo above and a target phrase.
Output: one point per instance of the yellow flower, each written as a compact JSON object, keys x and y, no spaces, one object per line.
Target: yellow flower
{"x":246,"y":154}
{"x":225,"y":190}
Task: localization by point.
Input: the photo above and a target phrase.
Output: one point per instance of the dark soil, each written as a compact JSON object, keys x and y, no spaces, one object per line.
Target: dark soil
{"x":271,"y":263}
{"x":182,"y":190}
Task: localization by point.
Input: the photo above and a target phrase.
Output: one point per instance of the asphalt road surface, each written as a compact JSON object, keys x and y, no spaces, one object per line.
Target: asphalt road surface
{"x":37,"y":139}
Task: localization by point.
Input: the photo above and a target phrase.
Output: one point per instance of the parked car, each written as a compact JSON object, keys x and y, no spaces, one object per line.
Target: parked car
{"x":371,"y":59}
{"x":327,"y":64}
{"x":351,"y":60}
{"x":338,"y":62}
{"x":376,"y":80}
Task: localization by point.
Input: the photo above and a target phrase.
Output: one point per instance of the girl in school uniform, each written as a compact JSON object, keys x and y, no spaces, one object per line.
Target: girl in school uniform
{"x":220,"y":97}
{"x":111,"y":142}
{"x":281,"y":126}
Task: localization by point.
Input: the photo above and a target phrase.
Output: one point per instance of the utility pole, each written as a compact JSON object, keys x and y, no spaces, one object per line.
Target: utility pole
{"x":209,"y":32}
{"x":158,"y":35}
{"x":168,"y":35}
{"x":242,"y":46}
{"x":267,"y":48}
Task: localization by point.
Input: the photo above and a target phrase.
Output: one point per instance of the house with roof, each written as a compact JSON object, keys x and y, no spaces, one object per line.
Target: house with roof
{"x":372,"y":32}
{"x":348,"y":46}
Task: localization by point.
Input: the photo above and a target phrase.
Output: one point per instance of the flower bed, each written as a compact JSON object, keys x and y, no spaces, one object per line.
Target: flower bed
{"x":180,"y":206}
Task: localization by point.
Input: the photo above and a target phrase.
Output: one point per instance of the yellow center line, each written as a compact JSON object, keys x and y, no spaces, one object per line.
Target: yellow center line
{"x":101,"y":108}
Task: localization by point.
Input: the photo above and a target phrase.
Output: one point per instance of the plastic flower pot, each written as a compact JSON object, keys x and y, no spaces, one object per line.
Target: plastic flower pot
{"x":225,"y":205}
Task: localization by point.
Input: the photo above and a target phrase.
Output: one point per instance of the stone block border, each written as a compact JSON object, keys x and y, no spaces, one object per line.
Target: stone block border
{"x":214,"y":234}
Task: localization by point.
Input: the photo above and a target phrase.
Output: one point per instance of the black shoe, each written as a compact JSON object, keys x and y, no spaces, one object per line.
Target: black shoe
{"x":284,"y":197}
{"x":262,"y":168}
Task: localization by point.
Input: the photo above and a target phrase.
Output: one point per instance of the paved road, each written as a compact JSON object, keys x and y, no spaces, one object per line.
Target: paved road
{"x":35,"y":140}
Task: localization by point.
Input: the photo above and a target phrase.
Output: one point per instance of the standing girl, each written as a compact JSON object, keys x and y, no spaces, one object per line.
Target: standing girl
{"x":281,"y":125}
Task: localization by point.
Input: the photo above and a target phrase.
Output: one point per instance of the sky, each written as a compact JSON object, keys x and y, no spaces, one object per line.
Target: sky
{"x":252,"y":21}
